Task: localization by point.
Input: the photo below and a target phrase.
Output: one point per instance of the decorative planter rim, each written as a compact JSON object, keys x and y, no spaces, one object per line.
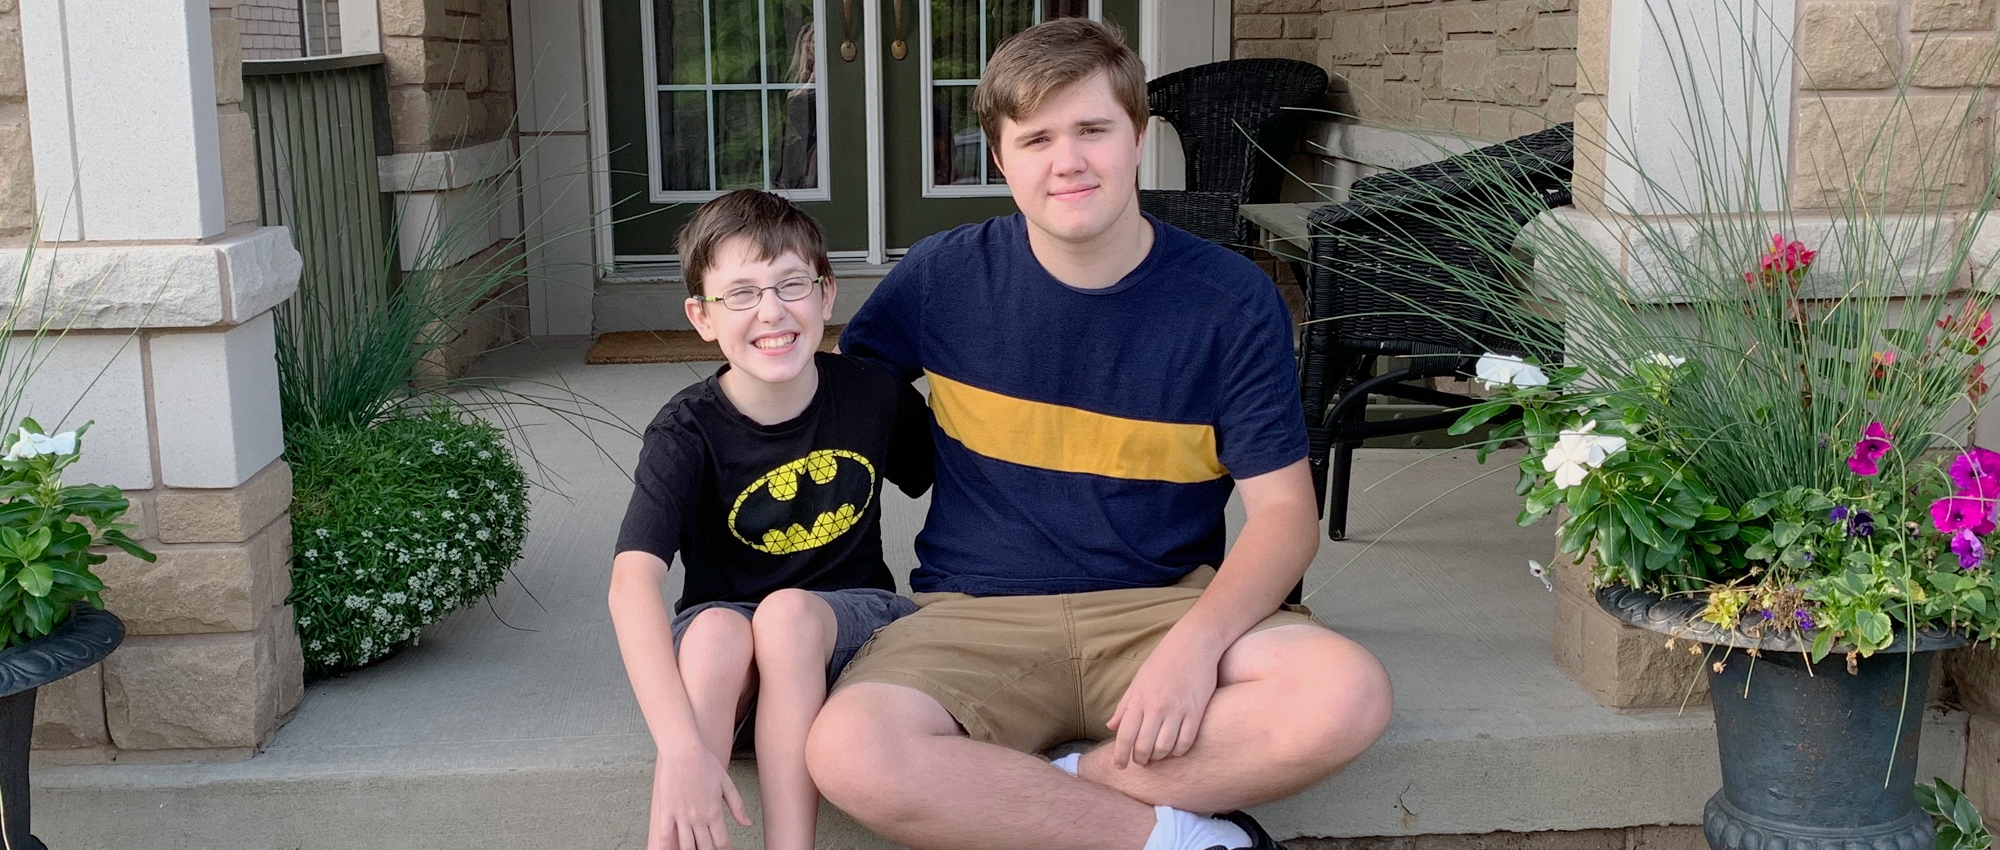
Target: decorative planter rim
{"x":1680,"y":617}
{"x":80,"y":641}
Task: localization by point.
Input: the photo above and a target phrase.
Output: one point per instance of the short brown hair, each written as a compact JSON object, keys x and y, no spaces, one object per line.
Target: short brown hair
{"x":770,"y":222}
{"x":1037,"y":62}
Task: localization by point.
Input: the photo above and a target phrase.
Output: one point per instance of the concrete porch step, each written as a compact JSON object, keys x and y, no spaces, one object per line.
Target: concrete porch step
{"x":512,"y":726}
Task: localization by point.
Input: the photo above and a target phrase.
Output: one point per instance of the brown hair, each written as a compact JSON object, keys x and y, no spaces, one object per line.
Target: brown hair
{"x":1036,"y":63}
{"x":771,"y":223}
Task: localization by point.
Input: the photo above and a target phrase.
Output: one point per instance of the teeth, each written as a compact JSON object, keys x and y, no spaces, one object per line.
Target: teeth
{"x":776,"y":341}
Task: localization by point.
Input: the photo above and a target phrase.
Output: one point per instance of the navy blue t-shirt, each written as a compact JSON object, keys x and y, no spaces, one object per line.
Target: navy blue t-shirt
{"x":1087,"y":439}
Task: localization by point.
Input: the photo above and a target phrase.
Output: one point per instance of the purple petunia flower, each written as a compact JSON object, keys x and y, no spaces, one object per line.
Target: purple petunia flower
{"x":1976,"y":473}
{"x":1969,"y":550}
{"x":1952,"y":513}
{"x":1838,"y":513}
{"x":1868,"y":450}
{"x":1861,"y":524}
{"x":1805,"y":620}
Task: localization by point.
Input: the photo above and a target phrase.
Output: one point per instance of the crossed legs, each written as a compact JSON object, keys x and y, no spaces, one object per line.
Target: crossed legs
{"x":1294,"y":704}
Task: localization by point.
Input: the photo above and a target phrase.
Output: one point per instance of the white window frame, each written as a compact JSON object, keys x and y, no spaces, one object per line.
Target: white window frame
{"x":821,"y":110}
{"x":928,"y":85}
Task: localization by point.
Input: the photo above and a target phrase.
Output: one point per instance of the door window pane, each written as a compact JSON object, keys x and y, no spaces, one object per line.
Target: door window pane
{"x":738,"y":94}
{"x":678,"y":55}
{"x":794,"y":142}
{"x":683,"y":141}
{"x":963,"y":35}
{"x":734,"y":42}
{"x":739,"y":140}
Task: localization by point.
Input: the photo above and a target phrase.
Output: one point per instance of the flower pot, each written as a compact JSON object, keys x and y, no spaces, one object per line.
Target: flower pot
{"x":1812,"y":758}
{"x":80,"y":641}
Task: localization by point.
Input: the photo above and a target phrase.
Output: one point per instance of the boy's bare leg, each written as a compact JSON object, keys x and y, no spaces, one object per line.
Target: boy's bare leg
{"x":895,"y":760}
{"x":717,"y":662}
{"x":795,"y":632}
{"x":1295,"y":704}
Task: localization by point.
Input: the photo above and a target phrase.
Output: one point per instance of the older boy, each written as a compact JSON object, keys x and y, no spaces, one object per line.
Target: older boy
{"x":766,"y":479}
{"x":1100,"y":382}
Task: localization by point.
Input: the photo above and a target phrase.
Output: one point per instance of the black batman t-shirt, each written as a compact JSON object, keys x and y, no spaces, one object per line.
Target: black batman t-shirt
{"x":755,"y":508}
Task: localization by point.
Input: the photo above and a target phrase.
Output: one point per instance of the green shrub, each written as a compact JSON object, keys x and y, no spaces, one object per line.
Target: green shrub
{"x":394,"y":526}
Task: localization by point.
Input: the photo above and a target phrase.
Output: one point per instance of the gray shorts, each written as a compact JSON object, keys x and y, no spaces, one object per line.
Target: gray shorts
{"x":857,"y":614}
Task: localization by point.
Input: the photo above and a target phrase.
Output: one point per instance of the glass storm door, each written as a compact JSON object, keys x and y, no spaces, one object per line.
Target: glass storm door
{"x":705,"y":96}
{"x":939,"y":172}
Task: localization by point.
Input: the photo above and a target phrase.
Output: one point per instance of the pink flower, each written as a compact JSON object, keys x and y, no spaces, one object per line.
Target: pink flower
{"x":1976,"y":474}
{"x":1954,"y":513}
{"x":1868,"y":450}
{"x":1787,"y":260}
{"x":1968,"y":549}
{"x":1977,"y":331}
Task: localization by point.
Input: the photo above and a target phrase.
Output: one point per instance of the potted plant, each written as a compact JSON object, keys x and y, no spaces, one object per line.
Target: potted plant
{"x":1774,"y":467}
{"x":52,"y":623}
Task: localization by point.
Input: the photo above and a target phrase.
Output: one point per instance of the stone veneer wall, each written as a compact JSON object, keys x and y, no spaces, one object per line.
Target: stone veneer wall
{"x":187,"y":424}
{"x":451,"y":72}
{"x":1489,"y":69}
{"x":451,"y":101}
{"x":17,"y":164}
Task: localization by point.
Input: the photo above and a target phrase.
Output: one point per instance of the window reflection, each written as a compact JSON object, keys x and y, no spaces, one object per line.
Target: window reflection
{"x":737,"y":94}
{"x":959,"y":48}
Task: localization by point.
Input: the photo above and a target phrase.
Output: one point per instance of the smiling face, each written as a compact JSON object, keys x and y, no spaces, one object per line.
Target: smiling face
{"x":773,"y":342}
{"x":1073,"y":165}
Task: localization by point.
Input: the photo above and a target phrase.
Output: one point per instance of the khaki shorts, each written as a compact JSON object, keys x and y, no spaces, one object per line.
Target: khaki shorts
{"x":1031,"y":672}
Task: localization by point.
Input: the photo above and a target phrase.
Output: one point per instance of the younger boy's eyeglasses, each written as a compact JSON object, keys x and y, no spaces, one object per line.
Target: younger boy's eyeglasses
{"x":747,"y":297}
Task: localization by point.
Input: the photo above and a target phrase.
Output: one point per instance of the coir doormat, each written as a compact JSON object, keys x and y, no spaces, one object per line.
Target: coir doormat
{"x":667,"y":347}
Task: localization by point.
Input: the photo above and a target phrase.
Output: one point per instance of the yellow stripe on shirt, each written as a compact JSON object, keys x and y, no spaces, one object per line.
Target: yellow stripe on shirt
{"x":1065,"y":439}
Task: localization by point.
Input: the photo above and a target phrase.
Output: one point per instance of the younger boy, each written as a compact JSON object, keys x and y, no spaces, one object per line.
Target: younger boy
{"x":766,"y":478}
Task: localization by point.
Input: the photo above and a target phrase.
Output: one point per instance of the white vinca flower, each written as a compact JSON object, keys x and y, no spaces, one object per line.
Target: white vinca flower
{"x":1505,"y":369}
{"x":31,"y":445}
{"x":1668,"y":360}
{"x":1578,"y":451}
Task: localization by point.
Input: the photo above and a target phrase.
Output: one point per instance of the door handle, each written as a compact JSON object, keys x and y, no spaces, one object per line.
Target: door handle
{"x":898,"y":48}
{"x":846,"y":30}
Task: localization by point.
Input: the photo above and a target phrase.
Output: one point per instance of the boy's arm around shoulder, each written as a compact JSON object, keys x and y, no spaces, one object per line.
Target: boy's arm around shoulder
{"x":912,"y":456}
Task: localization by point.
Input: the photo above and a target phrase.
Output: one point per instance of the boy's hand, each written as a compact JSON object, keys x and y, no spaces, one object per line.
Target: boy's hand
{"x":1160,"y":714}
{"x":688,"y":798}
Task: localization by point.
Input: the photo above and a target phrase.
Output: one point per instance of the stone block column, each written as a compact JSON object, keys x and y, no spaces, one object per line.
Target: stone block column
{"x":150,"y":259}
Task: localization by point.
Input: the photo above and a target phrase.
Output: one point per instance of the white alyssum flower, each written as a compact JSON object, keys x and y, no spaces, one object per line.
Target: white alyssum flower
{"x":1668,"y":360}
{"x":1505,"y":369}
{"x":1578,"y":451}
{"x":31,"y":445}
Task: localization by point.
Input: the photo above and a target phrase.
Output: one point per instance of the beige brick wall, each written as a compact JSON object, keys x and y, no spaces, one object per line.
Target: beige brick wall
{"x":451,"y":72}
{"x":1884,"y":91}
{"x":17,"y":160}
{"x":1491,"y":69}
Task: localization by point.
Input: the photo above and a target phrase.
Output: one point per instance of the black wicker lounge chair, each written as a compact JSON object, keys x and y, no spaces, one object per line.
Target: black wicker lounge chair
{"x":1228,"y":115}
{"x":1389,"y":270}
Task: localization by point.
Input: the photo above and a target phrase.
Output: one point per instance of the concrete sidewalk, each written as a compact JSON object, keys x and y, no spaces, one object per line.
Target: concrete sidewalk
{"x":511,"y":724}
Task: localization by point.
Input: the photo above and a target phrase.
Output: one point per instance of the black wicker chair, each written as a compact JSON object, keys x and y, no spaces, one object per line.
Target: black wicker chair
{"x":1389,"y":272}
{"x":1229,"y":115}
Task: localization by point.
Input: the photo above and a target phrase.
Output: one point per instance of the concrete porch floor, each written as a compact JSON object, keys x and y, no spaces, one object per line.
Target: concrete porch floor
{"x":511,"y":725}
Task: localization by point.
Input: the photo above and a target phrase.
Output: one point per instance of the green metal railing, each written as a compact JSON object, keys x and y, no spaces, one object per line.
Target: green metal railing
{"x":320,"y":124}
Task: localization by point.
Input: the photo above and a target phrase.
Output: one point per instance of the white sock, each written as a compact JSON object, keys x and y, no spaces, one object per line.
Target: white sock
{"x":1068,"y":763}
{"x":1174,"y":829}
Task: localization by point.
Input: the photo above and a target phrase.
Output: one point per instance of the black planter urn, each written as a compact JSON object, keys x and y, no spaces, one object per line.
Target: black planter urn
{"x":80,"y":641}
{"x":1812,"y":758}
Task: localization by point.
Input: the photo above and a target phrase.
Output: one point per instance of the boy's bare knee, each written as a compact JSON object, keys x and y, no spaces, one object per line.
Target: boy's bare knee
{"x":793,"y":619}
{"x":720,"y":636}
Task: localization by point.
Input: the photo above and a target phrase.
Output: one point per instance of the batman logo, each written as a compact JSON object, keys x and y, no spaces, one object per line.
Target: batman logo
{"x":804,"y":504}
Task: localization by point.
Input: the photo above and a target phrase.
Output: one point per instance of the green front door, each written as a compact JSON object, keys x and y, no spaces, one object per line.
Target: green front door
{"x":705,"y":96}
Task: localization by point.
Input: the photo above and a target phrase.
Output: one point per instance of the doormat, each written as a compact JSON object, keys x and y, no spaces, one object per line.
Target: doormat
{"x":667,"y":347}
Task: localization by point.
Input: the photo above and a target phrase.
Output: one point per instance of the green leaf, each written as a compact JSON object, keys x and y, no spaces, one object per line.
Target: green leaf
{"x":37,"y":578}
{"x":1822,"y":644}
{"x":131,"y":547}
{"x":1477,"y":415}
